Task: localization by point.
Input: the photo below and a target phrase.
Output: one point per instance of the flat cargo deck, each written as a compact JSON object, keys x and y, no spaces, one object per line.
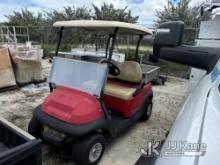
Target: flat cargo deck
{"x":150,"y":72}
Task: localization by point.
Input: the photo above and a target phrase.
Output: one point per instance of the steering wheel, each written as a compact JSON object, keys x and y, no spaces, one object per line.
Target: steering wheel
{"x":113,"y":69}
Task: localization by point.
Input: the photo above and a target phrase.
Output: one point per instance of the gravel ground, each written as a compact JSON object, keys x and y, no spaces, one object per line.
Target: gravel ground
{"x":17,"y":106}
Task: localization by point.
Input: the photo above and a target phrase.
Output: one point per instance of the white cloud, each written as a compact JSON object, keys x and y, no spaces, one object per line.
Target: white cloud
{"x":5,"y":10}
{"x":52,"y":4}
{"x":147,"y":10}
{"x":197,"y":2}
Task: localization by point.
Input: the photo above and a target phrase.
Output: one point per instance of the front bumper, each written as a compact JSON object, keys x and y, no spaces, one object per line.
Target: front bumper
{"x":66,"y":128}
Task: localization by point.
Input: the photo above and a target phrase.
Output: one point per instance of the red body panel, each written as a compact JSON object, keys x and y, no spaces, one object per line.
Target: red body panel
{"x":72,"y":106}
{"x":127,"y":107}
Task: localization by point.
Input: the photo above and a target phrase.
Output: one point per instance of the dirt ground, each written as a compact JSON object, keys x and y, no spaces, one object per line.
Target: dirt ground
{"x":17,"y":106}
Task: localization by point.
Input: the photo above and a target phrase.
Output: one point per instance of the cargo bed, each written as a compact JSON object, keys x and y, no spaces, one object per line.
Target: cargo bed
{"x":150,"y":72}
{"x":17,"y":146}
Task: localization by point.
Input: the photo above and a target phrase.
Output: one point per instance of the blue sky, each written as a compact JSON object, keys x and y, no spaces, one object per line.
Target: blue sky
{"x":144,"y":8}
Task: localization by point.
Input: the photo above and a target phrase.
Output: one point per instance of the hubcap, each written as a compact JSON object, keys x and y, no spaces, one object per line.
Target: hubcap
{"x":149,"y":109}
{"x":95,"y":152}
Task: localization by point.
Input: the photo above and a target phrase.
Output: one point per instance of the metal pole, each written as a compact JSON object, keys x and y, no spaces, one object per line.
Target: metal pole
{"x":7,"y":34}
{"x":59,"y":40}
{"x":114,"y":35}
{"x":128,"y":45}
{"x":2,"y":34}
{"x":57,"y":49}
{"x":14,"y":31}
{"x":137,"y":48}
{"x":107,"y":45}
{"x":28,"y":33}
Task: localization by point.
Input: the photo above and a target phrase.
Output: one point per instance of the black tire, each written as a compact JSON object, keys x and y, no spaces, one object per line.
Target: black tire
{"x":147,"y":111}
{"x":35,"y":128}
{"x":82,"y":149}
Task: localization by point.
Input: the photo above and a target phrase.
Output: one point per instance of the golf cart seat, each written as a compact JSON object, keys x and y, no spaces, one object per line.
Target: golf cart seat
{"x":119,"y":91}
{"x":130,"y":71}
{"x":126,"y":90}
{"x":123,"y":86}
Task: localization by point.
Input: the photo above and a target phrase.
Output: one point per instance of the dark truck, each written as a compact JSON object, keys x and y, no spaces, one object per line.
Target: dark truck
{"x":18,"y":147}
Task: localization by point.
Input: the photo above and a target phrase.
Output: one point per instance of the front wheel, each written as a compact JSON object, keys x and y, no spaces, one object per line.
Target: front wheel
{"x":147,"y":111}
{"x":35,"y":128}
{"x":89,"y":150}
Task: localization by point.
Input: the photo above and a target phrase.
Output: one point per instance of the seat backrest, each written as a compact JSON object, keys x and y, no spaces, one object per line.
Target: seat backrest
{"x":129,"y":71}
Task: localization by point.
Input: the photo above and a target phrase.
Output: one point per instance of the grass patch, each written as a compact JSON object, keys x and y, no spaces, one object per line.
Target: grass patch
{"x":48,"y":48}
{"x":52,"y":48}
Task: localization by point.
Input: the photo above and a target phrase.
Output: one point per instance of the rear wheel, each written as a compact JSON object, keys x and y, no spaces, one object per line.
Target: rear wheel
{"x":147,"y":111}
{"x":88,"y":151}
{"x":35,"y":128}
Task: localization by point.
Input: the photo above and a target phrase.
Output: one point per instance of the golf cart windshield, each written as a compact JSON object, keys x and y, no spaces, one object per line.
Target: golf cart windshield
{"x":80,"y":75}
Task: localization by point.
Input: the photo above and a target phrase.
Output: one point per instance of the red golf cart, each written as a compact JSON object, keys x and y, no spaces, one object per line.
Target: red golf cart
{"x":88,"y":100}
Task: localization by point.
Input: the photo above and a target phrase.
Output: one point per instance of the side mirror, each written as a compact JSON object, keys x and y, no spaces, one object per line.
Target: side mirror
{"x":167,"y":46}
{"x":168,"y":34}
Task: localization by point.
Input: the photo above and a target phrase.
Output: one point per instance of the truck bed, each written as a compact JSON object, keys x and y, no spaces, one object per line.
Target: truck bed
{"x":17,"y":146}
{"x":3,"y":147}
{"x":150,"y":72}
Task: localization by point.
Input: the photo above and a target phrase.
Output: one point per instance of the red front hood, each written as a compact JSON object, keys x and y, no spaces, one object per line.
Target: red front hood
{"x":72,"y":106}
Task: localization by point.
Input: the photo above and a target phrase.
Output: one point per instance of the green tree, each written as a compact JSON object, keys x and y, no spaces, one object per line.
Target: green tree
{"x":183,"y":12}
{"x":40,"y":23}
{"x":109,"y":12}
{"x":29,"y":19}
{"x":72,"y":36}
{"x":24,"y":18}
{"x":68,"y":13}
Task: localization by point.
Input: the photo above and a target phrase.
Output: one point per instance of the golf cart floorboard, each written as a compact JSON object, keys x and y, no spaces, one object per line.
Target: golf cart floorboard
{"x":119,"y":123}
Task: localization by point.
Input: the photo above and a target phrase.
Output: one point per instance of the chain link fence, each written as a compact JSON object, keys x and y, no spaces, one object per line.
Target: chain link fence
{"x":47,"y":37}
{"x":72,"y":38}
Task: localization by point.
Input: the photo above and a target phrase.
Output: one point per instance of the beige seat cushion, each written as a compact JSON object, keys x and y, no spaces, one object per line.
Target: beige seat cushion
{"x":129,"y":71}
{"x":119,"y":91}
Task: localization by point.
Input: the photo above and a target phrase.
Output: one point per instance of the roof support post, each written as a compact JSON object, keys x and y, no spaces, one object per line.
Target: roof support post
{"x":137,"y":48}
{"x":57,"y":49}
{"x":107,"y":45}
{"x":59,"y":40}
{"x":114,"y":35}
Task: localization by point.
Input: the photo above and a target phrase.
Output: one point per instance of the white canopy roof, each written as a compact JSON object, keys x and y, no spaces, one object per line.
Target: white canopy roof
{"x":105,"y":26}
